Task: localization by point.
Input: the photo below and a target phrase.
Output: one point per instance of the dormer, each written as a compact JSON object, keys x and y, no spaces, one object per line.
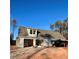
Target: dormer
{"x":32,"y":32}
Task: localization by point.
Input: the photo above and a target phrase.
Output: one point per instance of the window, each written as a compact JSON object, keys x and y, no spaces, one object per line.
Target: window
{"x":30,"y":31}
{"x":34,"y":32}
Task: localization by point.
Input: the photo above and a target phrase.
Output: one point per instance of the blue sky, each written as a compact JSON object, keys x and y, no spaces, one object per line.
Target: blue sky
{"x":38,"y":13}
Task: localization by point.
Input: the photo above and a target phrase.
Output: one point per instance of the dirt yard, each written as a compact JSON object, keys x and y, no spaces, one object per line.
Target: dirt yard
{"x":39,"y":53}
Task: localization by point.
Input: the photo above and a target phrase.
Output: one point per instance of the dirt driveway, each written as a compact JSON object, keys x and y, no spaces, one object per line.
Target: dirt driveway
{"x":23,"y":53}
{"x":51,"y":53}
{"x":39,"y":53}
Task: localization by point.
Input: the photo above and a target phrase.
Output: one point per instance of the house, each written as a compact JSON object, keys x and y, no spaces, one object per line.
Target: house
{"x":35,"y":37}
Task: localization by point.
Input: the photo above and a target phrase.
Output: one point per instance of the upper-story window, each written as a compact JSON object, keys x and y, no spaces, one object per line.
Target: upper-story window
{"x":34,"y":32}
{"x":30,"y":31}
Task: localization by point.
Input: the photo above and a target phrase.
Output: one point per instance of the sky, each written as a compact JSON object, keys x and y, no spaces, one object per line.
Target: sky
{"x":37,"y":13}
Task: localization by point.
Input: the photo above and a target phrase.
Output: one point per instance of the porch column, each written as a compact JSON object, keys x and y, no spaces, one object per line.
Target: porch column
{"x":21,"y":44}
{"x":34,"y":42}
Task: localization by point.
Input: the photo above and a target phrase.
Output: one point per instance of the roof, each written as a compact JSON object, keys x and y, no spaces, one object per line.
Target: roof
{"x":55,"y":35}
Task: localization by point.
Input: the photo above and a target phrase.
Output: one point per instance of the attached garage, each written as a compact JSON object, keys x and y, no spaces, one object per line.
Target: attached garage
{"x":28,"y":42}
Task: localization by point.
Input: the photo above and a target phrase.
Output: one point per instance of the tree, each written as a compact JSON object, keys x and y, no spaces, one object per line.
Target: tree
{"x":13,"y":23}
{"x":61,"y":27}
{"x":58,"y":25}
{"x":66,"y":24}
{"x":14,"y":26}
{"x":11,"y":38}
{"x":66,"y":28}
{"x":12,"y":42}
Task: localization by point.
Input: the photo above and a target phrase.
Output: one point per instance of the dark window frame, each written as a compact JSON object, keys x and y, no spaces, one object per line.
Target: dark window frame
{"x":33,"y":31}
{"x":30,"y":31}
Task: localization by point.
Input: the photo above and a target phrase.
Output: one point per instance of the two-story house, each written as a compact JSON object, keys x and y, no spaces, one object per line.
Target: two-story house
{"x":36,"y":37}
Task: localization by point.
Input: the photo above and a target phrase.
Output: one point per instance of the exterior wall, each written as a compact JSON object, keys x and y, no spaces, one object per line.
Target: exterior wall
{"x":34,"y":42}
{"x":21,"y":42}
{"x":32,"y":35}
{"x":17,"y":42}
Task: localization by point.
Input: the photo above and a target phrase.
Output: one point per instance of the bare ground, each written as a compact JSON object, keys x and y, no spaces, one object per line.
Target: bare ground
{"x":51,"y":53}
{"x":39,"y":53}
